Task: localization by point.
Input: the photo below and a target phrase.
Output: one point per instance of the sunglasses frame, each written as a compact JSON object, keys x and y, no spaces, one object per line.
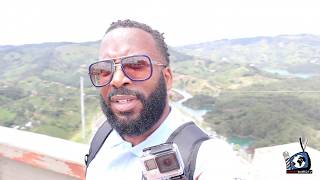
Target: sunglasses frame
{"x":113,"y":65}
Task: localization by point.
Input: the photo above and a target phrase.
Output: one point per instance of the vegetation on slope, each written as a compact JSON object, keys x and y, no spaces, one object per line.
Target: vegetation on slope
{"x":264,"y":89}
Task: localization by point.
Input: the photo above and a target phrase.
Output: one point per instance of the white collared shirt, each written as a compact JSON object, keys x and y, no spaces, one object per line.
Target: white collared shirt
{"x":117,"y":159}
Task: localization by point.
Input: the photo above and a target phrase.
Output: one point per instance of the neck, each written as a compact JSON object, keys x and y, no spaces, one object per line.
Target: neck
{"x":134,"y":140}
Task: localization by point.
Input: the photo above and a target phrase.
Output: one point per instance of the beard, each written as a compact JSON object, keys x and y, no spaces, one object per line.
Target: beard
{"x":152,"y":109}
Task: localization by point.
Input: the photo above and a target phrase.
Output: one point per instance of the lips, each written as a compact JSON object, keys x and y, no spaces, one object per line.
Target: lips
{"x":123,"y":103}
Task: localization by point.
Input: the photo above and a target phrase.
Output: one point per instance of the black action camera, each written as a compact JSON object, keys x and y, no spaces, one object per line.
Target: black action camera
{"x":162,"y":162}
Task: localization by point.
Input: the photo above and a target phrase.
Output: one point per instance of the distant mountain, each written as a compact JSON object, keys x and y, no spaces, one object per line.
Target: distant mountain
{"x":302,"y":38}
{"x":59,"y":62}
{"x":294,"y":53}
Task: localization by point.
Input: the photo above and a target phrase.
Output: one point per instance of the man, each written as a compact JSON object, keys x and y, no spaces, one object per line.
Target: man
{"x":134,"y":75}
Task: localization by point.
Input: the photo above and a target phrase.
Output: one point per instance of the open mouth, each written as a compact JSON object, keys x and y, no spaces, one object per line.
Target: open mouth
{"x":123,"y":103}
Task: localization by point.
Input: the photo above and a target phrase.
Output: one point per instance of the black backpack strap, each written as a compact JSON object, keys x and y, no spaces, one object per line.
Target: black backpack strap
{"x":188,"y":138}
{"x":97,"y":141}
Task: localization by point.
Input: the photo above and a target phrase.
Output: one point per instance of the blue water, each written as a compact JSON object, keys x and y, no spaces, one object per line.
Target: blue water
{"x":284,"y":72}
{"x":196,"y":114}
{"x":243,"y":142}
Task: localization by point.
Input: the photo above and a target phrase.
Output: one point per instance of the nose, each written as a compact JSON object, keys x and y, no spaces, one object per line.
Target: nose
{"x":119,"y":78}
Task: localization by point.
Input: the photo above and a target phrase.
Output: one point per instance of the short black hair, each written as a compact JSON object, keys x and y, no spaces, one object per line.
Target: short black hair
{"x":157,"y":36}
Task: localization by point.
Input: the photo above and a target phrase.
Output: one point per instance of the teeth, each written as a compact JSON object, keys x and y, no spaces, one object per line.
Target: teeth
{"x":123,"y":101}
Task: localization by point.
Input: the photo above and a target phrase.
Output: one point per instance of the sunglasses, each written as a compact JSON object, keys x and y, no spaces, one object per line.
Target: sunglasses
{"x":136,"y":68}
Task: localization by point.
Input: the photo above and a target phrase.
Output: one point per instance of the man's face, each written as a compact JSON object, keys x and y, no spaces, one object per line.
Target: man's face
{"x":133,"y":107}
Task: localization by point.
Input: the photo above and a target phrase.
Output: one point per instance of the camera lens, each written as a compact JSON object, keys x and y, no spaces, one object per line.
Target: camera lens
{"x":167,"y":162}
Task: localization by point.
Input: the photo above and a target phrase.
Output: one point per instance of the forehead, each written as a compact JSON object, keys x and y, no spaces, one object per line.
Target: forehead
{"x":121,"y":42}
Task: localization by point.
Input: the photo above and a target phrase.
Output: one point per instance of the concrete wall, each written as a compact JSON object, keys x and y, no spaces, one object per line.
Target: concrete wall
{"x":30,"y":156}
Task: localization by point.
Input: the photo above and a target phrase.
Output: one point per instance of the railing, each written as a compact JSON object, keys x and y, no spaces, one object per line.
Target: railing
{"x":31,"y":156}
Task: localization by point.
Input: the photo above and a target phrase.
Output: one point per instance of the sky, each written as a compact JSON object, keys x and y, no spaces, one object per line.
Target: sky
{"x":182,"y":21}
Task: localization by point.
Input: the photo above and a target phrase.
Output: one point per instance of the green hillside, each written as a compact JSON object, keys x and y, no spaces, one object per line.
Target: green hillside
{"x":39,"y":87}
{"x":264,"y":90}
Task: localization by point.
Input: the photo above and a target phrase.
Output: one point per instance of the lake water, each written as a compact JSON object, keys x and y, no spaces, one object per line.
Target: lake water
{"x":195,"y":114}
{"x":243,"y":142}
{"x":284,"y":72}
{"x":198,"y":116}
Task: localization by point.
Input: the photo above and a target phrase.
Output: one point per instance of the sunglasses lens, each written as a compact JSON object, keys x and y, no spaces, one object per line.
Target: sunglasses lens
{"x":137,"y":67}
{"x":101,"y":73}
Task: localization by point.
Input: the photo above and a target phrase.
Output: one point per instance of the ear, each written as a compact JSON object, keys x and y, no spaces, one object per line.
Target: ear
{"x":167,"y":73}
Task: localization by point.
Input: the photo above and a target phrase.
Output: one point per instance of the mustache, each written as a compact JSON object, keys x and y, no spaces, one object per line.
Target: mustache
{"x":125,"y":91}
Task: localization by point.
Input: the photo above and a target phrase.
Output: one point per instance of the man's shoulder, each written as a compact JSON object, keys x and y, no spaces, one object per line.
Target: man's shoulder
{"x":217,"y":144}
{"x":218,"y":149}
{"x":217,"y":159}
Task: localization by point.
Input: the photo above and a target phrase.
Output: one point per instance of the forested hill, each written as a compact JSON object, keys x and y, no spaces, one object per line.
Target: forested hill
{"x":261,"y":89}
{"x":39,"y":86}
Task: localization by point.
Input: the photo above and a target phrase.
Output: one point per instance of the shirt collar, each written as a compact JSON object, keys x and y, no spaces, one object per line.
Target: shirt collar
{"x":160,"y":135}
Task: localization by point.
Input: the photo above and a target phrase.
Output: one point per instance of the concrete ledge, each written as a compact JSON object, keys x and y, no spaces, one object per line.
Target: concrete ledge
{"x":26,"y":155}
